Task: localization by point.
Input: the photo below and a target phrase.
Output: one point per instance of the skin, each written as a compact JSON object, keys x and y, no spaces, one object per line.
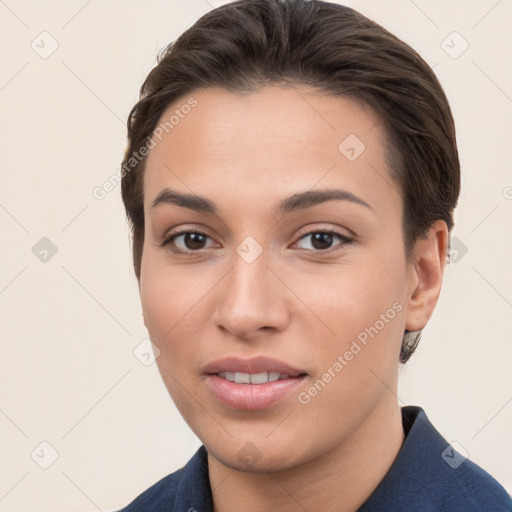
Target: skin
{"x":246,"y":153}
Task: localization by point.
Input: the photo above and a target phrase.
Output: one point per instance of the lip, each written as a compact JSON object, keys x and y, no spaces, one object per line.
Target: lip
{"x":253,"y":365}
{"x":252,"y":397}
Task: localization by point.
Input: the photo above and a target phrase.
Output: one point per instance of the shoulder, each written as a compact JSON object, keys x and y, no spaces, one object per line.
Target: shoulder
{"x":457,"y":483}
{"x":431,"y":475}
{"x":469,"y":487}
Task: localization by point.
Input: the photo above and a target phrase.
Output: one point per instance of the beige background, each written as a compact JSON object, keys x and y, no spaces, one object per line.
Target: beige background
{"x":69,"y":325}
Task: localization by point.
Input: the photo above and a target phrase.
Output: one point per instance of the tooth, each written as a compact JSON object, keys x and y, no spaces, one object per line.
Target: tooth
{"x":259,"y":378}
{"x":229,"y":376}
{"x":284,"y":376}
{"x":272,"y":376}
{"x":242,"y":378}
{"x":222,"y":374}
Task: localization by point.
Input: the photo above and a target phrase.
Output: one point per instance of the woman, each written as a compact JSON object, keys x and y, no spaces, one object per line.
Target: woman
{"x":290,"y":180}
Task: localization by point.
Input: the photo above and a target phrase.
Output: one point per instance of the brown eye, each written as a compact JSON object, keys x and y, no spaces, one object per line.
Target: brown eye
{"x":186,"y":241}
{"x":194,"y":240}
{"x":323,"y":240}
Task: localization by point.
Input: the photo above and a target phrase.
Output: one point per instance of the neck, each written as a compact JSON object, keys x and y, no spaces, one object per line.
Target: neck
{"x":338,"y":481}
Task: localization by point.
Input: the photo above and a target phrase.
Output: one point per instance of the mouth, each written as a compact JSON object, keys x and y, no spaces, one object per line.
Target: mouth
{"x":252,"y":384}
{"x":255,"y":378}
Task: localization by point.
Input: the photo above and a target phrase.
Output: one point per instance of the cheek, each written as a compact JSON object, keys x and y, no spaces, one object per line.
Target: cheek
{"x":168,"y":301}
{"x":165,"y":305}
{"x":173,"y":301}
{"x":362,"y":311}
{"x":352,"y":297}
{"x":167,"y":294}
{"x":160,"y":304}
{"x":358,"y":364}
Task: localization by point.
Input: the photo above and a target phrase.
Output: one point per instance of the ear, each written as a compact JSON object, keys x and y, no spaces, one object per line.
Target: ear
{"x":426,"y":275}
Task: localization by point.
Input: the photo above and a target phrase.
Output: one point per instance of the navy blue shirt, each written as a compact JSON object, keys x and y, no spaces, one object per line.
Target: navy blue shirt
{"x":427,"y":475}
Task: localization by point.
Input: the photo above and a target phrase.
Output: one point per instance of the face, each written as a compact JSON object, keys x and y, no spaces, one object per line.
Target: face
{"x":291,"y":266}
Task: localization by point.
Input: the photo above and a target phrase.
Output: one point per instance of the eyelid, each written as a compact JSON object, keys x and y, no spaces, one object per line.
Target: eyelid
{"x":185,"y":228}
{"x":344,"y":239}
{"x":328,"y":229}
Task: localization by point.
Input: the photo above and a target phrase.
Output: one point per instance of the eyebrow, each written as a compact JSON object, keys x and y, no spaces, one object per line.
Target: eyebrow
{"x":298,"y":201}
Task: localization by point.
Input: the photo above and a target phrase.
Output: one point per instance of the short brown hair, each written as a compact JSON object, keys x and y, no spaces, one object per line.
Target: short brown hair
{"x":248,"y":44}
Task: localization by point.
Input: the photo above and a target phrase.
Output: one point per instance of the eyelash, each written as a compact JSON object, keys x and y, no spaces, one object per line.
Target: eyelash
{"x":345,"y":240}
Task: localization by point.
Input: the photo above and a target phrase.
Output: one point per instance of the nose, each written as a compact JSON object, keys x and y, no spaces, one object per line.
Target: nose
{"x":252,"y":301}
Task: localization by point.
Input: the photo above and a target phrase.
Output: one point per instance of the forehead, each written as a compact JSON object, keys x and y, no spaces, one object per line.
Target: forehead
{"x":277,"y":140}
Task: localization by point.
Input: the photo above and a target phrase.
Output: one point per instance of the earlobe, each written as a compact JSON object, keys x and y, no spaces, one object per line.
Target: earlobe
{"x":426,"y":275}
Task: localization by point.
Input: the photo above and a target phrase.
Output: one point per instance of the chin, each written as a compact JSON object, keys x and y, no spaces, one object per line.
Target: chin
{"x":256,"y":454}
{"x":254,"y":461}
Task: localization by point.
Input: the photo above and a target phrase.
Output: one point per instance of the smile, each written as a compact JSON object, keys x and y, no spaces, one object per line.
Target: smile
{"x":251,"y":384}
{"x":253,"y":378}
